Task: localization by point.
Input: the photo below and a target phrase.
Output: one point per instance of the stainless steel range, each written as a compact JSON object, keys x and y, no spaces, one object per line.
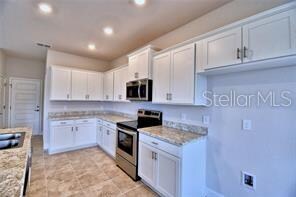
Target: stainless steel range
{"x":127,"y":140}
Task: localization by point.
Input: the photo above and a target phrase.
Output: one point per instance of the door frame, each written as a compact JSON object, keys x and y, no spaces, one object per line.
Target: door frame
{"x":10,"y":79}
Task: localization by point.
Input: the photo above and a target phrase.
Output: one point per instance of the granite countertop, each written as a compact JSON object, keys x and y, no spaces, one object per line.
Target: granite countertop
{"x":172,"y":135}
{"x":13,"y":165}
{"x":113,"y":118}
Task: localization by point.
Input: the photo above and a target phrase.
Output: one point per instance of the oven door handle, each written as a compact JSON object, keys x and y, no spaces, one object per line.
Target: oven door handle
{"x":139,"y":90}
{"x":127,"y":132}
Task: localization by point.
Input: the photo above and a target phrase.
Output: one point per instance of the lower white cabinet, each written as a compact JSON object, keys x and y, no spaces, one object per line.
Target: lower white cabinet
{"x":109,"y":140}
{"x":173,"y":170}
{"x":70,"y":135}
{"x":99,"y":132}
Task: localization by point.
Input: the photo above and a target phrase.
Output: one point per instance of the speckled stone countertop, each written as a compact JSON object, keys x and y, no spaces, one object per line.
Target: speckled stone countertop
{"x":172,"y":135}
{"x":107,"y":116}
{"x":13,"y":165}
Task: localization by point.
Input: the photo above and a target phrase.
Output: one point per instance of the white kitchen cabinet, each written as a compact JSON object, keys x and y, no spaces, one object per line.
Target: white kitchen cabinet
{"x":174,"y":78}
{"x":120,"y":79}
{"x":147,"y":165}
{"x":172,"y":170}
{"x":85,"y":132}
{"x":182,"y":75}
{"x":79,"y":85}
{"x":94,"y":86}
{"x":109,"y":141}
{"x":70,"y":135}
{"x":168,"y":173}
{"x":62,"y":137}
{"x":270,"y":37}
{"x":161,"y":77}
{"x":99,"y":132}
{"x":223,"y":49}
{"x":60,"y":83}
{"x":140,"y":63}
{"x":108,"y":85}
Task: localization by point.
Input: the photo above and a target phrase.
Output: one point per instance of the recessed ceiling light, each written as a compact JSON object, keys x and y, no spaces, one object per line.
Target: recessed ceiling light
{"x":108,"y":30}
{"x":92,"y":47}
{"x":140,"y":2}
{"x":45,"y":8}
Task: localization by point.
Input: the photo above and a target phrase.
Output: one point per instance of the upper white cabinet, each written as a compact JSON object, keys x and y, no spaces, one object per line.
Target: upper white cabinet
{"x":270,"y":37}
{"x":222,"y":49}
{"x":60,"y":83}
{"x":161,"y":77}
{"x":120,"y":79}
{"x":108,"y":85}
{"x":94,"y":86}
{"x":76,"y":85}
{"x":79,"y":85}
{"x":182,"y":75}
{"x":273,"y":36}
{"x":139,"y":64}
{"x":174,"y":77}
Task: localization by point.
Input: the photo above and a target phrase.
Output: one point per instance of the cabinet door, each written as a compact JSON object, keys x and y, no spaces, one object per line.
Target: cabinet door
{"x":143,"y":64}
{"x":99,"y":135}
{"x":132,"y":68}
{"x":93,"y":86}
{"x":147,"y":165}
{"x":161,"y":77}
{"x":120,"y":79}
{"x":85,"y":134}
{"x":167,"y":174}
{"x":108,"y":86}
{"x":222,"y":49}
{"x":270,"y":37}
{"x":62,"y":137}
{"x":112,"y":145}
{"x":109,"y":141}
{"x":79,"y":85}
{"x":182,"y":75}
{"x":60,"y":83}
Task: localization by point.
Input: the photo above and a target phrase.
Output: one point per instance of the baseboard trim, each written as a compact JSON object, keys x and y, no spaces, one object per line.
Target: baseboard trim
{"x":212,"y":193}
{"x":54,"y":151}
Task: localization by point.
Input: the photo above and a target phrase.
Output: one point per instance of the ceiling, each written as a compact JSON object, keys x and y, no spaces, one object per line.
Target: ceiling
{"x":76,"y":23}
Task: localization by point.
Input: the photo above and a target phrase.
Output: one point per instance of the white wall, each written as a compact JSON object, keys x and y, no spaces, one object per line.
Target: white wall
{"x":267,"y":151}
{"x":69,"y":60}
{"x":24,"y":68}
{"x":2,"y":62}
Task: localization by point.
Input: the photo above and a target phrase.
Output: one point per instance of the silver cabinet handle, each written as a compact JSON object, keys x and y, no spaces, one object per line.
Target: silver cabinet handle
{"x":136,"y":75}
{"x":76,"y":128}
{"x":155,"y":143}
{"x":68,"y":96}
{"x":167,"y":96}
{"x":72,"y":129}
{"x":63,"y":122}
{"x":108,"y":132}
{"x":245,"y":52}
{"x":153,"y":155}
{"x":238,"y":53}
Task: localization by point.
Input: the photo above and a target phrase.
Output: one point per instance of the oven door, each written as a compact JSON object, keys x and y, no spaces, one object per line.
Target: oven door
{"x":127,"y":142}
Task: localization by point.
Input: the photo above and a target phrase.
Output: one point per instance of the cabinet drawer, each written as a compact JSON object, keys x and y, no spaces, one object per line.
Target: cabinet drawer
{"x":159,"y":144}
{"x":110,"y":125}
{"x":82,"y":121}
{"x":62,"y":123}
{"x":99,"y":121}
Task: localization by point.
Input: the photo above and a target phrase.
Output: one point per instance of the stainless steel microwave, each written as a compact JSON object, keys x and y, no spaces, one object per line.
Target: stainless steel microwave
{"x":140,"y":90}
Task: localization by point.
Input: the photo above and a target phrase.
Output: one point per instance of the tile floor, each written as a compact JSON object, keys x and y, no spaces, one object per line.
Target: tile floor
{"x":88,"y":172}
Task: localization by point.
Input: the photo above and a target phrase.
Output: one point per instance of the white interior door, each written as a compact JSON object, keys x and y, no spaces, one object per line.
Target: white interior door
{"x":2,"y":103}
{"x":25,"y":104}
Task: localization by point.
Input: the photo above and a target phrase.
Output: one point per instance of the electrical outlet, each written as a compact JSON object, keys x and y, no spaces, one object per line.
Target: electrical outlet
{"x":183,"y":116}
{"x":248,"y":180}
{"x":247,"y":124}
{"x":206,"y":119}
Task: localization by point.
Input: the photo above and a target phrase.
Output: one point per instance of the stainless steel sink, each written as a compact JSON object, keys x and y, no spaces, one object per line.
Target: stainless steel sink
{"x":11,"y":140}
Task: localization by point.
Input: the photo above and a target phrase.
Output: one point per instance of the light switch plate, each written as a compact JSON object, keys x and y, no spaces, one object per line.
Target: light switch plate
{"x":247,"y":124}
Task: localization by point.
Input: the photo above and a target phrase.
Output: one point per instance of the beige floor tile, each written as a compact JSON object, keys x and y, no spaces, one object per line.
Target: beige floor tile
{"x":90,"y":179}
{"x":141,"y":191}
{"x":125,"y":183}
